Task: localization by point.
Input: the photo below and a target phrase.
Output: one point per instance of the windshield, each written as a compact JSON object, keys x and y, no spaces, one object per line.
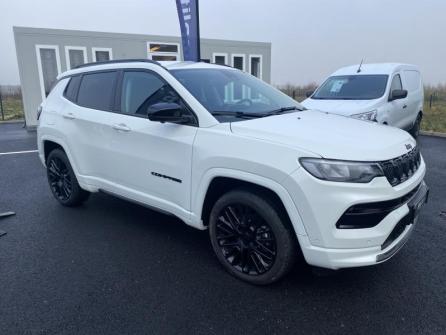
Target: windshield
{"x":356,"y":87}
{"x":232,"y":95}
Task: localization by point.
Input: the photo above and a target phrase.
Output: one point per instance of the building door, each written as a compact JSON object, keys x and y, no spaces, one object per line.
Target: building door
{"x":48,"y":63}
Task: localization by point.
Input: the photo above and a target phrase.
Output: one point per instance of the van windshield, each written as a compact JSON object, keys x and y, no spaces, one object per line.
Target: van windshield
{"x":231,"y":95}
{"x":353,"y":87}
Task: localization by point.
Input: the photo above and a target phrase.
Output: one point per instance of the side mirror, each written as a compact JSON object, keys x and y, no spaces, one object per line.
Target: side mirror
{"x":309,"y":93}
{"x":398,"y":94}
{"x":168,"y":112}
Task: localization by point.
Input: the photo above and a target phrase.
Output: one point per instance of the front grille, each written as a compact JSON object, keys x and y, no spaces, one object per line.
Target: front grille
{"x":399,"y":169}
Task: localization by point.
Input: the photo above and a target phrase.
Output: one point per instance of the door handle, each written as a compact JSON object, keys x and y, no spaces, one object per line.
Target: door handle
{"x":405,"y":106}
{"x":69,"y":116}
{"x":121,"y":127}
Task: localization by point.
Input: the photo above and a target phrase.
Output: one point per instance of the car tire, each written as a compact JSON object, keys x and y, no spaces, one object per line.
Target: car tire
{"x":62,"y":180}
{"x":415,"y":130}
{"x":251,"y":238}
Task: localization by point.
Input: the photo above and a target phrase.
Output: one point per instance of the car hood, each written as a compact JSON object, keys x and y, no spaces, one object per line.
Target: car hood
{"x":341,"y":107}
{"x":329,"y":135}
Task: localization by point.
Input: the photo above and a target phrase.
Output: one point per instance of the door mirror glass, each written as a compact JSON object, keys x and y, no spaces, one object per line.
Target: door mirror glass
{"x":168,"y":112}
{"x":398,"y":94}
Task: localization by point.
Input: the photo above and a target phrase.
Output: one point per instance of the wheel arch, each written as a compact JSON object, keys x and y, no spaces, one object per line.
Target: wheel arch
{"x":222,"y":185}
{"x":221,"y":181}
{"x":50,"y":145}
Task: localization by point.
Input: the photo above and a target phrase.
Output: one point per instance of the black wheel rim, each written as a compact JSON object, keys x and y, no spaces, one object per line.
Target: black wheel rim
{"x":246,"y":240}
{"x":59,"y":178}
{"x":417,"y":127}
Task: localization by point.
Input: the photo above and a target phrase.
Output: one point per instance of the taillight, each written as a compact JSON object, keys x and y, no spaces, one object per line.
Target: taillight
{"x":39,"y":111}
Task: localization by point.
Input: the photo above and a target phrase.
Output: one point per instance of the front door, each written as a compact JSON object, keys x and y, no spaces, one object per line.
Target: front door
{"x":398,"y":108}
{"x":153,"y":160}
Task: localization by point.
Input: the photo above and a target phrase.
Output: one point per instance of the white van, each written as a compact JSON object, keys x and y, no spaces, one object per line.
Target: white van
{"x":387,"y":93}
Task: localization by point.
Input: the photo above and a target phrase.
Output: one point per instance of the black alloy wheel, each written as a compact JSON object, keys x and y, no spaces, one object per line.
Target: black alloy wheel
{"x":62,"y":180}
{"x":59,"y":179}
{"x":415,"y":131}
{"x":245,"y":239}
{"x":252,"y":236}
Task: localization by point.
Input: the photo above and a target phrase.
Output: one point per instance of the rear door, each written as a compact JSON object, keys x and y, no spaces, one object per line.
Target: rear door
{"x":86,"y":121}
{"x":152,"y":161}
{"x":398,"y":108}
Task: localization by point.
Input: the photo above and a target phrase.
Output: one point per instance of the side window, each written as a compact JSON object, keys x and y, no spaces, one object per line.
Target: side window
{"x":96,"y":90}
{"x":396,"y":83}
{"x":71,"y":89}
{"x":141,"y":90}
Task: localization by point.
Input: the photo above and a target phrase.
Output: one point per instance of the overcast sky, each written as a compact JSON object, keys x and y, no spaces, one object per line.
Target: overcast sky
{"x":310,"y":39}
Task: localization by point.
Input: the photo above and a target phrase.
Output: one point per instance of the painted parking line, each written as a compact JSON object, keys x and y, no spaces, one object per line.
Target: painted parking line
{"x":17,"y":152}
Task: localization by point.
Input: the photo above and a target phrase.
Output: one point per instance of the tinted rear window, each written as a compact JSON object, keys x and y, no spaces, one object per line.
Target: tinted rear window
{"x":71,"y":90}
{"x":96,"y":90}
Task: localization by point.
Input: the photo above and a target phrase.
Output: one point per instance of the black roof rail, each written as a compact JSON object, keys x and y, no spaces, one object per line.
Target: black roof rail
{"x":117,"y":61}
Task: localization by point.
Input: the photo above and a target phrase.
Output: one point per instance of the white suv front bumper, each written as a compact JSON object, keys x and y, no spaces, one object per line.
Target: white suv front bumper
{"x":321,"y":204}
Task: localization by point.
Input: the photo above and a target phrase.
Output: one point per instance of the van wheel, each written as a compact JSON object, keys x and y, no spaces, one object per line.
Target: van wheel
{"x":415,"y":131}
{"x":62,"y":180}
{"x":250,"y":239}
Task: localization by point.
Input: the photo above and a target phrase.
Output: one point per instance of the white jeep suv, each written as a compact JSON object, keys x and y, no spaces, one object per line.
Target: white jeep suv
{"x":220,"y":149}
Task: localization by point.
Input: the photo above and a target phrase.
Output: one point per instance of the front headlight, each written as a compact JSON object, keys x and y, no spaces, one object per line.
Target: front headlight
{"x":341,"y":171}
{"x":367,"y":116}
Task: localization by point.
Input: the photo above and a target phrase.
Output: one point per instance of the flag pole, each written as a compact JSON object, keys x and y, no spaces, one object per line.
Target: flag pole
{"x":198,"y":33}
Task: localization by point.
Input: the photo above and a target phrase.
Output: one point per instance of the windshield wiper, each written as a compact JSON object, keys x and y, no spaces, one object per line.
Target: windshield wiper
{"x":238,"y":114}
{"x":283,"y":110}
{"x":247,"y":115}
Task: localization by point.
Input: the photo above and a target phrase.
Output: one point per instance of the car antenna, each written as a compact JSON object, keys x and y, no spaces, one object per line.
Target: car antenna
{"x":359,"y":68}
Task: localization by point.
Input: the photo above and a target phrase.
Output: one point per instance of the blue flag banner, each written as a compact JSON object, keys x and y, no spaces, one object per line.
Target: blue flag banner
{"x":189,"y":25}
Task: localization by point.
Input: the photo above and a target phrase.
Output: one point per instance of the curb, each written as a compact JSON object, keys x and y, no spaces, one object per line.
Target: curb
{"x":12,"y":121}
{"x":432,"y":133}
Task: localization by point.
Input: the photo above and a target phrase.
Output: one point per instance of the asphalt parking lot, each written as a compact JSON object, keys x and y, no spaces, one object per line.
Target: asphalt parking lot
{"x":112,"y":267}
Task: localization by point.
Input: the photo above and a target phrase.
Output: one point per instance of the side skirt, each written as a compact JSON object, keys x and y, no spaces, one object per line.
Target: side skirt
{"x":156,"y":209}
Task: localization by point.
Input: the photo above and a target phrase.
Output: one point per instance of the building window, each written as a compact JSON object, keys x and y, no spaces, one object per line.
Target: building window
{"x":75,"y":56}
{"x":220,"y":58}
{"x":48,"y":64}
{"x":255,"y":65}
{"x":159,"y":51}
{"x":102,"y":54}
{"x":238,"y":62}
